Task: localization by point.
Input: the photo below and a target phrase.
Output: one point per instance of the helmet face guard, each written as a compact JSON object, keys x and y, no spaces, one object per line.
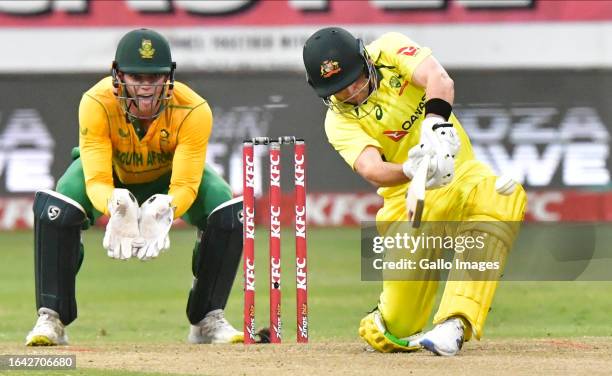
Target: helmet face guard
{"x":359,"y":110}
{"x":144,"y":52}
{"x":132,"y":106}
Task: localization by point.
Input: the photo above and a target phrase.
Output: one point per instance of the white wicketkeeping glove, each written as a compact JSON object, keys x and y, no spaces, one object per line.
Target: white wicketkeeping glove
{"x":156,"y":217}
{"x":122,"y":227}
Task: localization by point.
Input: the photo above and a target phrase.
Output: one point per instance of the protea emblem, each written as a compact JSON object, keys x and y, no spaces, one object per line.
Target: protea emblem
{"x":146,"y":49}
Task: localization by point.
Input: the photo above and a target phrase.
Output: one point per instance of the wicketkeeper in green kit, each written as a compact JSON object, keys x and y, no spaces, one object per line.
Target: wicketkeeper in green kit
{"x":141,"y":161}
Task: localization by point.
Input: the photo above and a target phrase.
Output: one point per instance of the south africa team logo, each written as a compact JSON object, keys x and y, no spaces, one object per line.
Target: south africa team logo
{"x":146,"y":49}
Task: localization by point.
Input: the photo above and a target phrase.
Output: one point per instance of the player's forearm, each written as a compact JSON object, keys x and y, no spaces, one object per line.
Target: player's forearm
{"x":186,"y":178}
{"x":440,"y":85}
{"x":99,"y":194}
{"x":182,"y":198}
{"x":96,"y":159}
{"x":384,"y":174}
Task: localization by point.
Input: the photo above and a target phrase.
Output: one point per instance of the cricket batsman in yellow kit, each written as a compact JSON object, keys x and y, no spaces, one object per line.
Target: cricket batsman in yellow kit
{"x":389,"y":105}
{"x":141,"y":161}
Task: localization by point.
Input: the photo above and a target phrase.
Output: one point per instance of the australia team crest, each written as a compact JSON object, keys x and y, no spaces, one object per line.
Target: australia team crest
{"x":329,"y":68}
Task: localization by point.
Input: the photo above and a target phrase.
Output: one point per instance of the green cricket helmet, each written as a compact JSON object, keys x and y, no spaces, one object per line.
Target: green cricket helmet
{"x":334,"y":59}
{"x":143,"y":51}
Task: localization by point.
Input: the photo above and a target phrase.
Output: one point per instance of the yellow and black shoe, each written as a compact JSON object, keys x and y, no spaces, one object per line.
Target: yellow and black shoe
{"x":372,"y":329}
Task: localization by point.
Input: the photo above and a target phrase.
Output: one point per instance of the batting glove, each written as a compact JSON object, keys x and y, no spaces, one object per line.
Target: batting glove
{"x":441,"y":169}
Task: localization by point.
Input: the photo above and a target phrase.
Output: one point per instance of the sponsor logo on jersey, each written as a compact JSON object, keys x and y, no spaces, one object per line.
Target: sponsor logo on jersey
{"x":408,"y":51}
{"x":378,"y":112}
{"x":329,"y":68}
{"x":416,"y":115}
{"x":395,"y":135}
{"x":146,"y":49}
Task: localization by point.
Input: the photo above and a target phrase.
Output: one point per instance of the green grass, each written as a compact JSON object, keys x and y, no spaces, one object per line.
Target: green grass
{"x":137,"y":301}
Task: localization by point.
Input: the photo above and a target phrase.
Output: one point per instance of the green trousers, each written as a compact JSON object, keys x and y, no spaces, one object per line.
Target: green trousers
{"x":213,"y":191}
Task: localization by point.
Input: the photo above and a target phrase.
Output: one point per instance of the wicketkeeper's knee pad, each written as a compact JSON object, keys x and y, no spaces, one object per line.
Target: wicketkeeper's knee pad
{"x":57,"y":238}
{"x":494,"y":218}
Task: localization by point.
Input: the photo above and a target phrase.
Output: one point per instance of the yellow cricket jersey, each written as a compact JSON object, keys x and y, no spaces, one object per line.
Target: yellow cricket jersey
{"x":397,"y":110}
{"x":176,"y":141}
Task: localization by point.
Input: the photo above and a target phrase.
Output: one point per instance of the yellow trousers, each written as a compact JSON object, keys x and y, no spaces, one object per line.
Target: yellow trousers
{"x":406,"y":305}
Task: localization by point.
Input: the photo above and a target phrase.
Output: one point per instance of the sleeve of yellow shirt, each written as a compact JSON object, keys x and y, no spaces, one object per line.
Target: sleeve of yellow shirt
{"x":348,"y":138}
{"x":400,"y":51}
{"x":96,"y":152}
{"x":189,"y":158}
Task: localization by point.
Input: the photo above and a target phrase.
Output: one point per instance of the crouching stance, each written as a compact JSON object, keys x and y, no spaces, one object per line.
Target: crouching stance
{"x":141,"y":161}
{"x":390,"y":108}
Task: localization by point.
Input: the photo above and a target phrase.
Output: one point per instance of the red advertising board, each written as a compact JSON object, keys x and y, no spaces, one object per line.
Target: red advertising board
{"x":181,"y":13}
{"x":350,"y":209}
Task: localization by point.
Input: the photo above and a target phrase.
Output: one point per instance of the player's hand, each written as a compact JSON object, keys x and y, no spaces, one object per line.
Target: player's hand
{"x":444,"y":170}
{"x":441,"y":169}
{"x":440,"y":136}
{"x":156,"y":216}
{"x":415,"y":156}
{"x":122,"y":228}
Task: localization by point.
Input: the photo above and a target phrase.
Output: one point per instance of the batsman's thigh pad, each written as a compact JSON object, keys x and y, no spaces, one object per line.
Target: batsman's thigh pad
{"x":447,"y":203}
{"x":57,"y":235}
{"x":442,"y":204}
{"x":215,"y":260}
{"x":496,"y":219}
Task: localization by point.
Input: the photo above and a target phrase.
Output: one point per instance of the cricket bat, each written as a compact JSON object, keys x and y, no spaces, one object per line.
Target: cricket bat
{"x":415,"y":199}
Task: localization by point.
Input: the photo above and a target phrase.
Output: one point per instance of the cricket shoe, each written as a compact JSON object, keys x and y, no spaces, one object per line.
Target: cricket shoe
{"x":373,"y":330}
{"x":214,"y":328}
{"x":48,"y":331}
{"x":445,"y":339}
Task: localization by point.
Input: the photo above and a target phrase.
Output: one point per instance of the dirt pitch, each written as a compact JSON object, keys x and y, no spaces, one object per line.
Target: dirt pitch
{"x":577,"y":356}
